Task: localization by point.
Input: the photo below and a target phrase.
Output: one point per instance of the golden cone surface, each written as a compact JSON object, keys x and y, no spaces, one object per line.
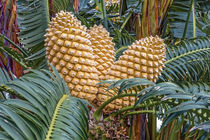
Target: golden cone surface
{"x":103,"y":50}
{"x":69,"y":49}
{"x":82,"y":58}
{"x":143,"y":59}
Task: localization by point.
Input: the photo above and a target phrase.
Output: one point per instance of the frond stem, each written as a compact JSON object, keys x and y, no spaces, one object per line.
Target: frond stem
{"x":194,"y":22}
{"x":188,"y":53}
{"x":138,"y":112}
{"x":188,"y":18}
{"x":130,"y":108}
{"x":98,"y":112}
{"x":55,"y":115}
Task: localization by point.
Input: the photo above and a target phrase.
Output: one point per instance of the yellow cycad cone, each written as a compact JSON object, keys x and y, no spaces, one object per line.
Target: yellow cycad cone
{"x":143,"y":59}
{"x":103,"y":49}
{"x":69,"y":49}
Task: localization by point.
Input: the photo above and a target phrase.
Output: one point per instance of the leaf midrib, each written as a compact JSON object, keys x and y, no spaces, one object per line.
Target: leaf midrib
{"x":185,"y":54}
{"x":53,"y":121}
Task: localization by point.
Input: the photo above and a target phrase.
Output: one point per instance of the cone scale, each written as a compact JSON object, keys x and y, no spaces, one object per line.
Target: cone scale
{"x":68,"y":48}
{"x":83,"y":57}
{"x":143,"y":59}
{"x":103,"y":50}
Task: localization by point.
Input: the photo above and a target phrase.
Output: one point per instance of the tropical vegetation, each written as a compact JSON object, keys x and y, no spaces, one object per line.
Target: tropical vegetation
{"x":36,"y":103}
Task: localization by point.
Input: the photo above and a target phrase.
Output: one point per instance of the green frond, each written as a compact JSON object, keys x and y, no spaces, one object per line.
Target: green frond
{"x":24,"y":52}
{"x":65,"y":5}
{"x":189,"y":60}
{"x":130,"y":108}
{"x":182,"y":99}
{"x":5,"y":76}
{"x":191,"y":100}
{"x":33,"y":19}
{"x":73,"y":126}
{"x":45,"y":110}
{"x":202,"y":126}
{"x":181,"y":18}
{"x":120,"y":51}
{"x":19,"y":58}
{"x":123,"y":88}
{"x":122,"y":38}
{"x":203,"y":22}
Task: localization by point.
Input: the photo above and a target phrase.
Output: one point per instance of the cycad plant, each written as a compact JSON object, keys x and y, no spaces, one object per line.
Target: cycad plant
{"x":42,"y":106}
{"x":39,"y":113}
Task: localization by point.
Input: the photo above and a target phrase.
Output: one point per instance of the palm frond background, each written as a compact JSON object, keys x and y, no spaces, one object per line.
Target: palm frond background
{"x":186,"y":103}
{"x":33,"y":18}
{"x":189,"y":60}
{"x":44,"y":109}
{"x":178,"y":17}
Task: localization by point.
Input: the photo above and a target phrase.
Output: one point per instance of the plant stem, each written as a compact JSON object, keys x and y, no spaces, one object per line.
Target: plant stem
{"x":104,"y":14}
{"x":130,"y":108}
{"x":154,"y":125}
{"x":188,"y":17}
{"x":125,"y":22}
{"x":56,"y":111}
{"x":138,"y":112}
{"x":121,"y":48}
{"x":194,"y":22}
{"x":46,"y":4}
{"x":98,"y":112}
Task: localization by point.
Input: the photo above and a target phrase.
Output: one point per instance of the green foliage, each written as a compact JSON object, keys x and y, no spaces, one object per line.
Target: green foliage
{"x":65,"y":5}
{"x":203,"y":22}
{"x":41,"y":109}
{"x":44,"y":108}
{"x":181,"y":17}
{"x":5,"y":77}
{"x":90,"y":16}
{"x":123,"y":88}
{"x":189,"y":60}
{"x":13,"y":54}
{"x":191,"y":102}
{"x":33,"y":19}
{"x":187,"y":101}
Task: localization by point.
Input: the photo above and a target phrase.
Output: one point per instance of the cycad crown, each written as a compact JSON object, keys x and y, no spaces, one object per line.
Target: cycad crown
{"x":68,"y":48}
{"x":103,"y":49}
{"x":143,"y":59}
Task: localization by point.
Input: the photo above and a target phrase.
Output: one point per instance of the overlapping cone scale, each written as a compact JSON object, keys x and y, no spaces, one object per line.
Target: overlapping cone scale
{"x":103,"y":49}
{"x":143,"y":59}
{"x":84,"y":57}
{"x":69,"y":49}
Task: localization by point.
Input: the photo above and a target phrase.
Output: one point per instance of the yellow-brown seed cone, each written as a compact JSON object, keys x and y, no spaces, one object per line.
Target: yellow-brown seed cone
{"x":103,"y":49}
{"x":143,"y":59}
{"x":68,"y":48}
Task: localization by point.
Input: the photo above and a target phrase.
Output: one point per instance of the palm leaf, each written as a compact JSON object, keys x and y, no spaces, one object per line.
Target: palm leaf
{"x":177,"y":99}
{"x":45,"y":110}
{"x":181,"y":18}
{"x":124,"y":87}
{"x":189,"y":60}
{"x":5,"y":78}
{"x":202,"y":126}
{"x":191,"y":100}
{"x":33,"y":19}
{"x":19,"y":58}
{"x":203,"y":22}
{"x":65,"y":5}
